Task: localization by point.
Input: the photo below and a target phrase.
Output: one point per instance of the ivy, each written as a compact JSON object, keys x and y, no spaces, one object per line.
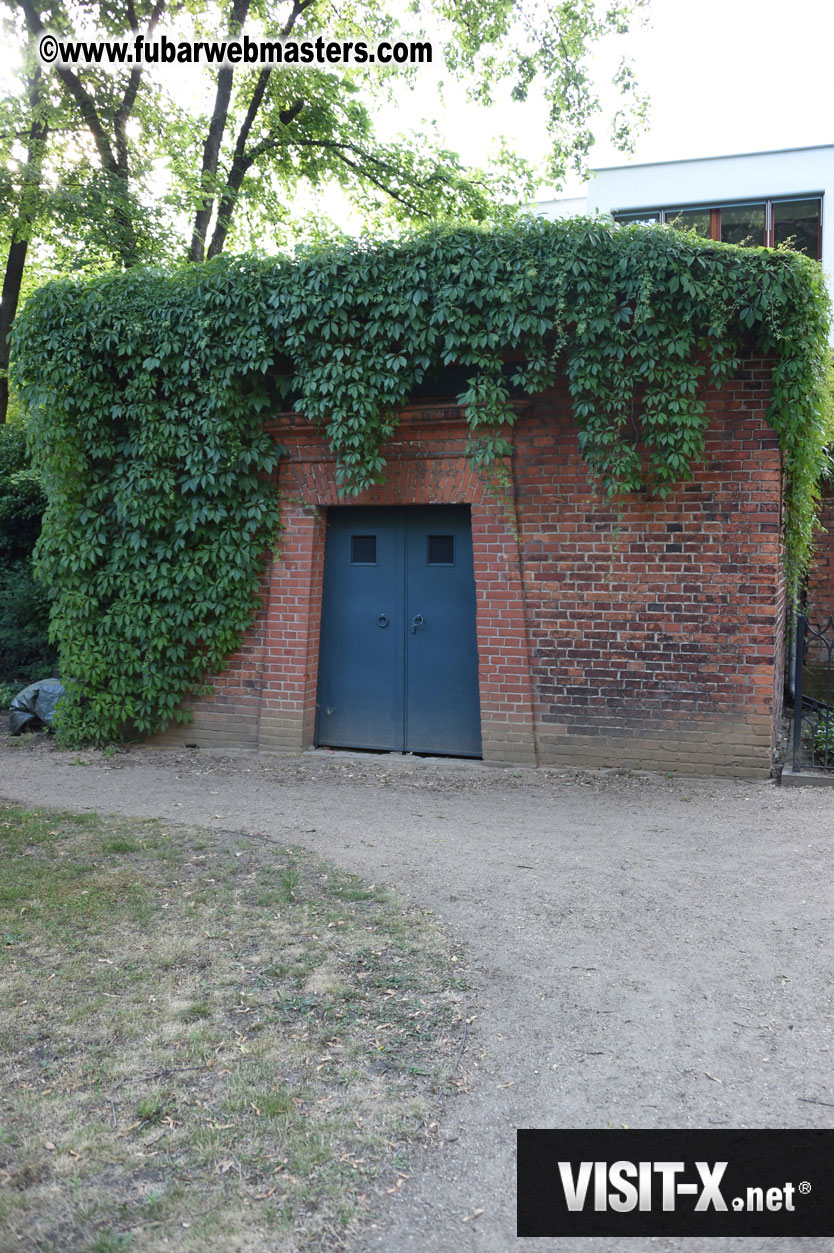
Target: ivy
{"x":147,"y":393}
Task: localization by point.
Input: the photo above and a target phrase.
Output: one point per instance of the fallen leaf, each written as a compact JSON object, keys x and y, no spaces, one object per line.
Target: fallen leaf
{"x":476,"y":1213}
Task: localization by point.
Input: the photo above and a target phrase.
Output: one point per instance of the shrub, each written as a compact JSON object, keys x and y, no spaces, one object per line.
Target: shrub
{"x":25,"y":651}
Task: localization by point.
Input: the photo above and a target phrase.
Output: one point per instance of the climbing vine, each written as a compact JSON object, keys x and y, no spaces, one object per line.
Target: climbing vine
{"x":147,"y":392}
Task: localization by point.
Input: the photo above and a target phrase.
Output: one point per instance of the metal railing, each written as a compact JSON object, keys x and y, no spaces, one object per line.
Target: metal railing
{"x":813,"y":696}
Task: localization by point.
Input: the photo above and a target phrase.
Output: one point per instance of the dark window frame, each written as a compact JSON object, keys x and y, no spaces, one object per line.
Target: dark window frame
{"x":665,"y":216}
{"x":356,"y":559}
{"x":432,"y":559}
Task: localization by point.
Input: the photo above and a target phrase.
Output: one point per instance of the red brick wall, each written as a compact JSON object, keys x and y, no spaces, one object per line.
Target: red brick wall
{"x":646,"y":634}
{"x":656,"y":625}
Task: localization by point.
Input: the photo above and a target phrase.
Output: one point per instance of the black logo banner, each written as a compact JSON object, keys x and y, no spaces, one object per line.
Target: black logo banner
{"x":675,"y":1183}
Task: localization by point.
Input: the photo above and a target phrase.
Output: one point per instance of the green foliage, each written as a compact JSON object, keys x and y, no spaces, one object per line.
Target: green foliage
{"x":22,"y":498}
{"x":24,"y":604}
{"x":255,"y":140}
{"x":147,"y":429}
{"x":147,"y":390}
{"x":823,"y":737}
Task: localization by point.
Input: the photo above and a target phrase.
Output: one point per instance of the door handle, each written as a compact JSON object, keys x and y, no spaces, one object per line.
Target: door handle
{"x":382,"y":620}
{"x":416,"y":621}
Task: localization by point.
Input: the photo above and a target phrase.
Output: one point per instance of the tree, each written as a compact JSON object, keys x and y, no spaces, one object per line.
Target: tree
{"x":25,"y":206}
{"x":273,"y":130}
{"x":105,"y":104}
{"x":72,"y":180}
{"x":292,"y":126}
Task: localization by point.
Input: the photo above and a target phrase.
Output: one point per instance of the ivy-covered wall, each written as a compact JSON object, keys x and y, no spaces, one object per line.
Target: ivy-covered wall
{"x":640,"y":632}
{"x":147,"y":394}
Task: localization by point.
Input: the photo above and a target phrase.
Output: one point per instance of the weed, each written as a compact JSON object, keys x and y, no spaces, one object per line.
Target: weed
{"x":151,"y":1109}
{"x":89,"y":821}
{"x":275,"y":1104}
{"x":111,"y":1242}
{"x":196,"y":1011}
{"x":119,"y":845}
{"x":290,"y":879}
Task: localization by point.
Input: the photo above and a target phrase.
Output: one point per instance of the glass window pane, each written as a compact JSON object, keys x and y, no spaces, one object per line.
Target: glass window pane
{"x":690,"y":220}
{"x":644,"y":218}
{"x":797,"y":223}
{"x":441,"y":550}
{"x":363,"y":550}
{"x":743,"y":224}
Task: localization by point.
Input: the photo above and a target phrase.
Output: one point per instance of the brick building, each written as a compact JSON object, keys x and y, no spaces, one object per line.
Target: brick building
{"x":646,"y":634}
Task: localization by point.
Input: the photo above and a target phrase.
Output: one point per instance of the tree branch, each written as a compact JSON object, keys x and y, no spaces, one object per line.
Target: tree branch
{"x":339,"y":149}
{"x":120,"y":118}
{"x":214,"y":139}
{"x":83,"y":99}
{"x":240,"y":162}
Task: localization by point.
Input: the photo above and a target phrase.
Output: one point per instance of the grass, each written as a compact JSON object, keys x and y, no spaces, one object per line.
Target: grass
{"x":207,"y":1042}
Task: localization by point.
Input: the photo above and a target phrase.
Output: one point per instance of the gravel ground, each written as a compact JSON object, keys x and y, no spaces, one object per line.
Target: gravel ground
{"x":643,"y":951}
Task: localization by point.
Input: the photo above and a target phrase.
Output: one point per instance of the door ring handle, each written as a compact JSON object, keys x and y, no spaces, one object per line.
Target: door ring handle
{"x":382,"y":620}
{"x":416,"y":621}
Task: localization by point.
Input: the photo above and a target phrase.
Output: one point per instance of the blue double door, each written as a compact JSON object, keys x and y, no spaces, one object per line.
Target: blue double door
{"x":398,"y":667}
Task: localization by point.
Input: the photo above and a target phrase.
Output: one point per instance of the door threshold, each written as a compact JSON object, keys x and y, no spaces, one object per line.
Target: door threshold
{"x":437,"y":759}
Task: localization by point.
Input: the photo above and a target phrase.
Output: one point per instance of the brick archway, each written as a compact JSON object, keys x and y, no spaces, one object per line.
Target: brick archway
{"x":426,"y":465}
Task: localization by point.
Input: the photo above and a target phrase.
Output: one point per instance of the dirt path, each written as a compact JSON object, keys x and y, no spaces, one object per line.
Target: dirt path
{"x":643,"y":951}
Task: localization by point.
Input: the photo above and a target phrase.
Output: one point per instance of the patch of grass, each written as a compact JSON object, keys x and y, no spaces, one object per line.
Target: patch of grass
{"x":290,"y":879}
{"x":212,"y":1044}
{"x":111,"y":1242}
{"x":196,"y":1011}
{"x":151,"y":1109}
{"x":276,"y":1104}
{"x":119,"y":845}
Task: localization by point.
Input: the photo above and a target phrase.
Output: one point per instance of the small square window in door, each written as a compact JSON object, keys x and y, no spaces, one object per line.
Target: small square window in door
{"x":363,"y":550}
{"x":441,"y":550}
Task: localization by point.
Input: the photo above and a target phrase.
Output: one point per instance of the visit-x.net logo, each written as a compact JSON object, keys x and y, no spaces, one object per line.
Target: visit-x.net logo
{"x":675,"y":1183}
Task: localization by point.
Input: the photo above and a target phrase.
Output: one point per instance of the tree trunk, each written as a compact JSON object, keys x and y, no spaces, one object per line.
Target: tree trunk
{"x":214,"y":140}
{"x":21,"y":232}
{"x":8,"y":308}
{"x":241,"y":162}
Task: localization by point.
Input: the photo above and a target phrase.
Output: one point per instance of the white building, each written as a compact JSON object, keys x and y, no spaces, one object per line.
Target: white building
{"x":751,"y":198}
